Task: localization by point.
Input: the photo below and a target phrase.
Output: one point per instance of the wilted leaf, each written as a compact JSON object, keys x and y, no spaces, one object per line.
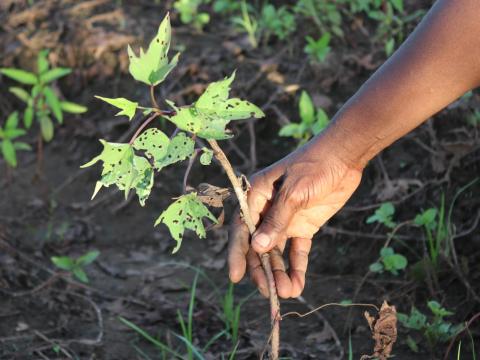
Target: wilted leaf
{"x":128,"y":107}
{"x":185,"y":213}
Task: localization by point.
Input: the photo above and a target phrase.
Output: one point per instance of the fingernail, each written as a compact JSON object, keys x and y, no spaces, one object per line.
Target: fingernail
{"x":262,"y":240}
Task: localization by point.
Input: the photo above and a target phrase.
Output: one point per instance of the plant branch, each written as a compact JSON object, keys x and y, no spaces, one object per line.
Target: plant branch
{"x":139,"y":130}
{"x":265,"y":258}
{"x":189,"y":168}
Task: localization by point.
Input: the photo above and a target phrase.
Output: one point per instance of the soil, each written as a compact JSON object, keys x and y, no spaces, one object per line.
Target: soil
{"x":137,"y":278}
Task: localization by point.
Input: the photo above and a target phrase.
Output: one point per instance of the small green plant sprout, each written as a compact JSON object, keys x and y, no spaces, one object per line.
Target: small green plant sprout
{"x":435,"y":330}
{"x":433,"y":222}
{"x":190,"y":14}
{"x":131,"y":166}
{"x":318,"y":50}
{"x":383,"y":215}
{"x":247,"y":22}
{"x":42,"y":101}
{"x":312,"y":121}
{"x":76,"y":266}
{"x":8,"y":143}
{"x":389,"y":261}
{"x":226,"y":6}
{"x":277,"y":21}
{"x":325,"y":14}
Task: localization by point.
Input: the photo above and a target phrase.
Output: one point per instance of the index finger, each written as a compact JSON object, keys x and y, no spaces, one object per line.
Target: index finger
{"x":238,"y":248}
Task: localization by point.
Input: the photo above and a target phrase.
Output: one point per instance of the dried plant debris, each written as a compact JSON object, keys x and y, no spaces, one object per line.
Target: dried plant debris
{"x":384,"y":332}
{"x":90,"y":36}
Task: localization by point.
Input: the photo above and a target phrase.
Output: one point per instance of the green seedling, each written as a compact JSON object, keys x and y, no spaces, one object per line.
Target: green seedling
{"x":433,"y":221}
{"x":389,"y":261}
{"x":190,"y":14}
{"x":247,"y":22}
{"x":42,"y":101}
{"x":8,"y":143}
{"x":76,"y":266}
{"x":318,"y":50}
{"x":383,"y":215}
{"x":435,"y":330}
{"x":131,"y":166}
{"x":277,"y":21}
{"x":325,"y":14}
{"x":312,"y":121}
{"x":226,"y":6}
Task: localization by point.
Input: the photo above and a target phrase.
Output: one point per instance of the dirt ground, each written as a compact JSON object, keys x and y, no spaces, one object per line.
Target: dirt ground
{"x":136,"y":277}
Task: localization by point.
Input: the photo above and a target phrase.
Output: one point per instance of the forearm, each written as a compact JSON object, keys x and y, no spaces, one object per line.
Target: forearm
{"x":437,"y":64}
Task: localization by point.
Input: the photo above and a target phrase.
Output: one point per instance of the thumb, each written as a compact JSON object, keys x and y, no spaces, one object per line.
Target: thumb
{"x":273,"y":225}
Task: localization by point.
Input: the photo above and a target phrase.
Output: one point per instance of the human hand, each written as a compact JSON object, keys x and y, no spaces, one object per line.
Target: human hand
{"x":290,"y":200}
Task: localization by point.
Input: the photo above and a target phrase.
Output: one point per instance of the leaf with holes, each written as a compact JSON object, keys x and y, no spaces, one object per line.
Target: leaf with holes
{"x":124,"y":169}
{"x":180,"y":148}
{"x":152,"y":66}
{"x":212,"y":112}
{"x":206,"y":157}
{"x":154,"y":142}
{"x":186,"y":212}
{"x":126,"y":106}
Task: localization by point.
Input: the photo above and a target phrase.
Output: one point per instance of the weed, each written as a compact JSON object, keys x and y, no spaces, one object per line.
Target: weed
{"x":8,"y":143}
{"x":318,"y":49}
{"x":76,"y":266}
{"x":436,"y":330}
{"x":325,"y":14}
{"x":389,"y":261}
{"x":383,"y":215}
{"x":226,"y":6}
{"x":248,"y":23}
{"x":190,"y":14}
{"x":312,"y":121}
{"x":277,"y":21}
{"x":42,"y":101}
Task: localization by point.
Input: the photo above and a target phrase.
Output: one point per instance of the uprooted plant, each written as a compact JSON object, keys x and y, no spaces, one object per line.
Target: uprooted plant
{"x":132,"y":165}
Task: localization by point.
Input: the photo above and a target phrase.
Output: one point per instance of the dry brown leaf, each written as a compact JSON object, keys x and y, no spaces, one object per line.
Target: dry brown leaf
{"x":384,"y":331}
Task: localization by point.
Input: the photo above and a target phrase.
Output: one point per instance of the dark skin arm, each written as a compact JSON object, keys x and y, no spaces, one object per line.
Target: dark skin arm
{"x":293,"y":198}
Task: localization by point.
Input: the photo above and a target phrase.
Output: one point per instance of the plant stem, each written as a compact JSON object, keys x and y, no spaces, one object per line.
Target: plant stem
{"x":265,"y":258}
{"x":152,"y":96}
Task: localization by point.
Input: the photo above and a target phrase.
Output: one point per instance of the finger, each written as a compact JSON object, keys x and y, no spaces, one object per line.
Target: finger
{"x":282,"y":281}
{"x":298,"y":257}
{"x":256,"y":272}
{"x":237,"y":249}
{"x":274,"y":224}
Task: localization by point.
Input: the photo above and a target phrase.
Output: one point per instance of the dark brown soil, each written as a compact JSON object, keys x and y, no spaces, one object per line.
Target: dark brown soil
{"x":137,"y":278}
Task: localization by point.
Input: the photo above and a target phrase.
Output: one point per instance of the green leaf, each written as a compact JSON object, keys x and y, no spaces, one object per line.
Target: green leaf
{"x":386,"y":251}
{"x":54,"y":103}
{"x":46,"y":128}
{"x":376,"y":267}
{"x":20,"y":93}
{"x":152,"y":66}
{"x":154,"y":142}
{"x":54,"y":74}
{"x":28,"y":117}
{"x":42,"y":62}
{"x":427,"y":218}
{"x":291,"y":130}
{"x":21,"y":76}
{"x":12,"y":121}
{"x":412,"y":344}
{"x":395,"y":262}
{"x":88,"y":258}
{"x":128,"y":107}
{"x":206,"y":157}
{"x":209,"y":116}
{"x":22,"y":146}
{"x":438,"y":310}
{"x":13,"y":133}
{"x":8,"y":152}
{"x":321,"y":123}
{"x":124,"y":169}
{"x":80,"y":274}
{"x":185,"y":213}
{"x":416,"y":320}
{"x":307,"y":110}
{"x":72,"y":108}
{"x":397,"y":4}
{"x":63,"y":262}
{"x":383,"y":215}
{"x":180,"y":148}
